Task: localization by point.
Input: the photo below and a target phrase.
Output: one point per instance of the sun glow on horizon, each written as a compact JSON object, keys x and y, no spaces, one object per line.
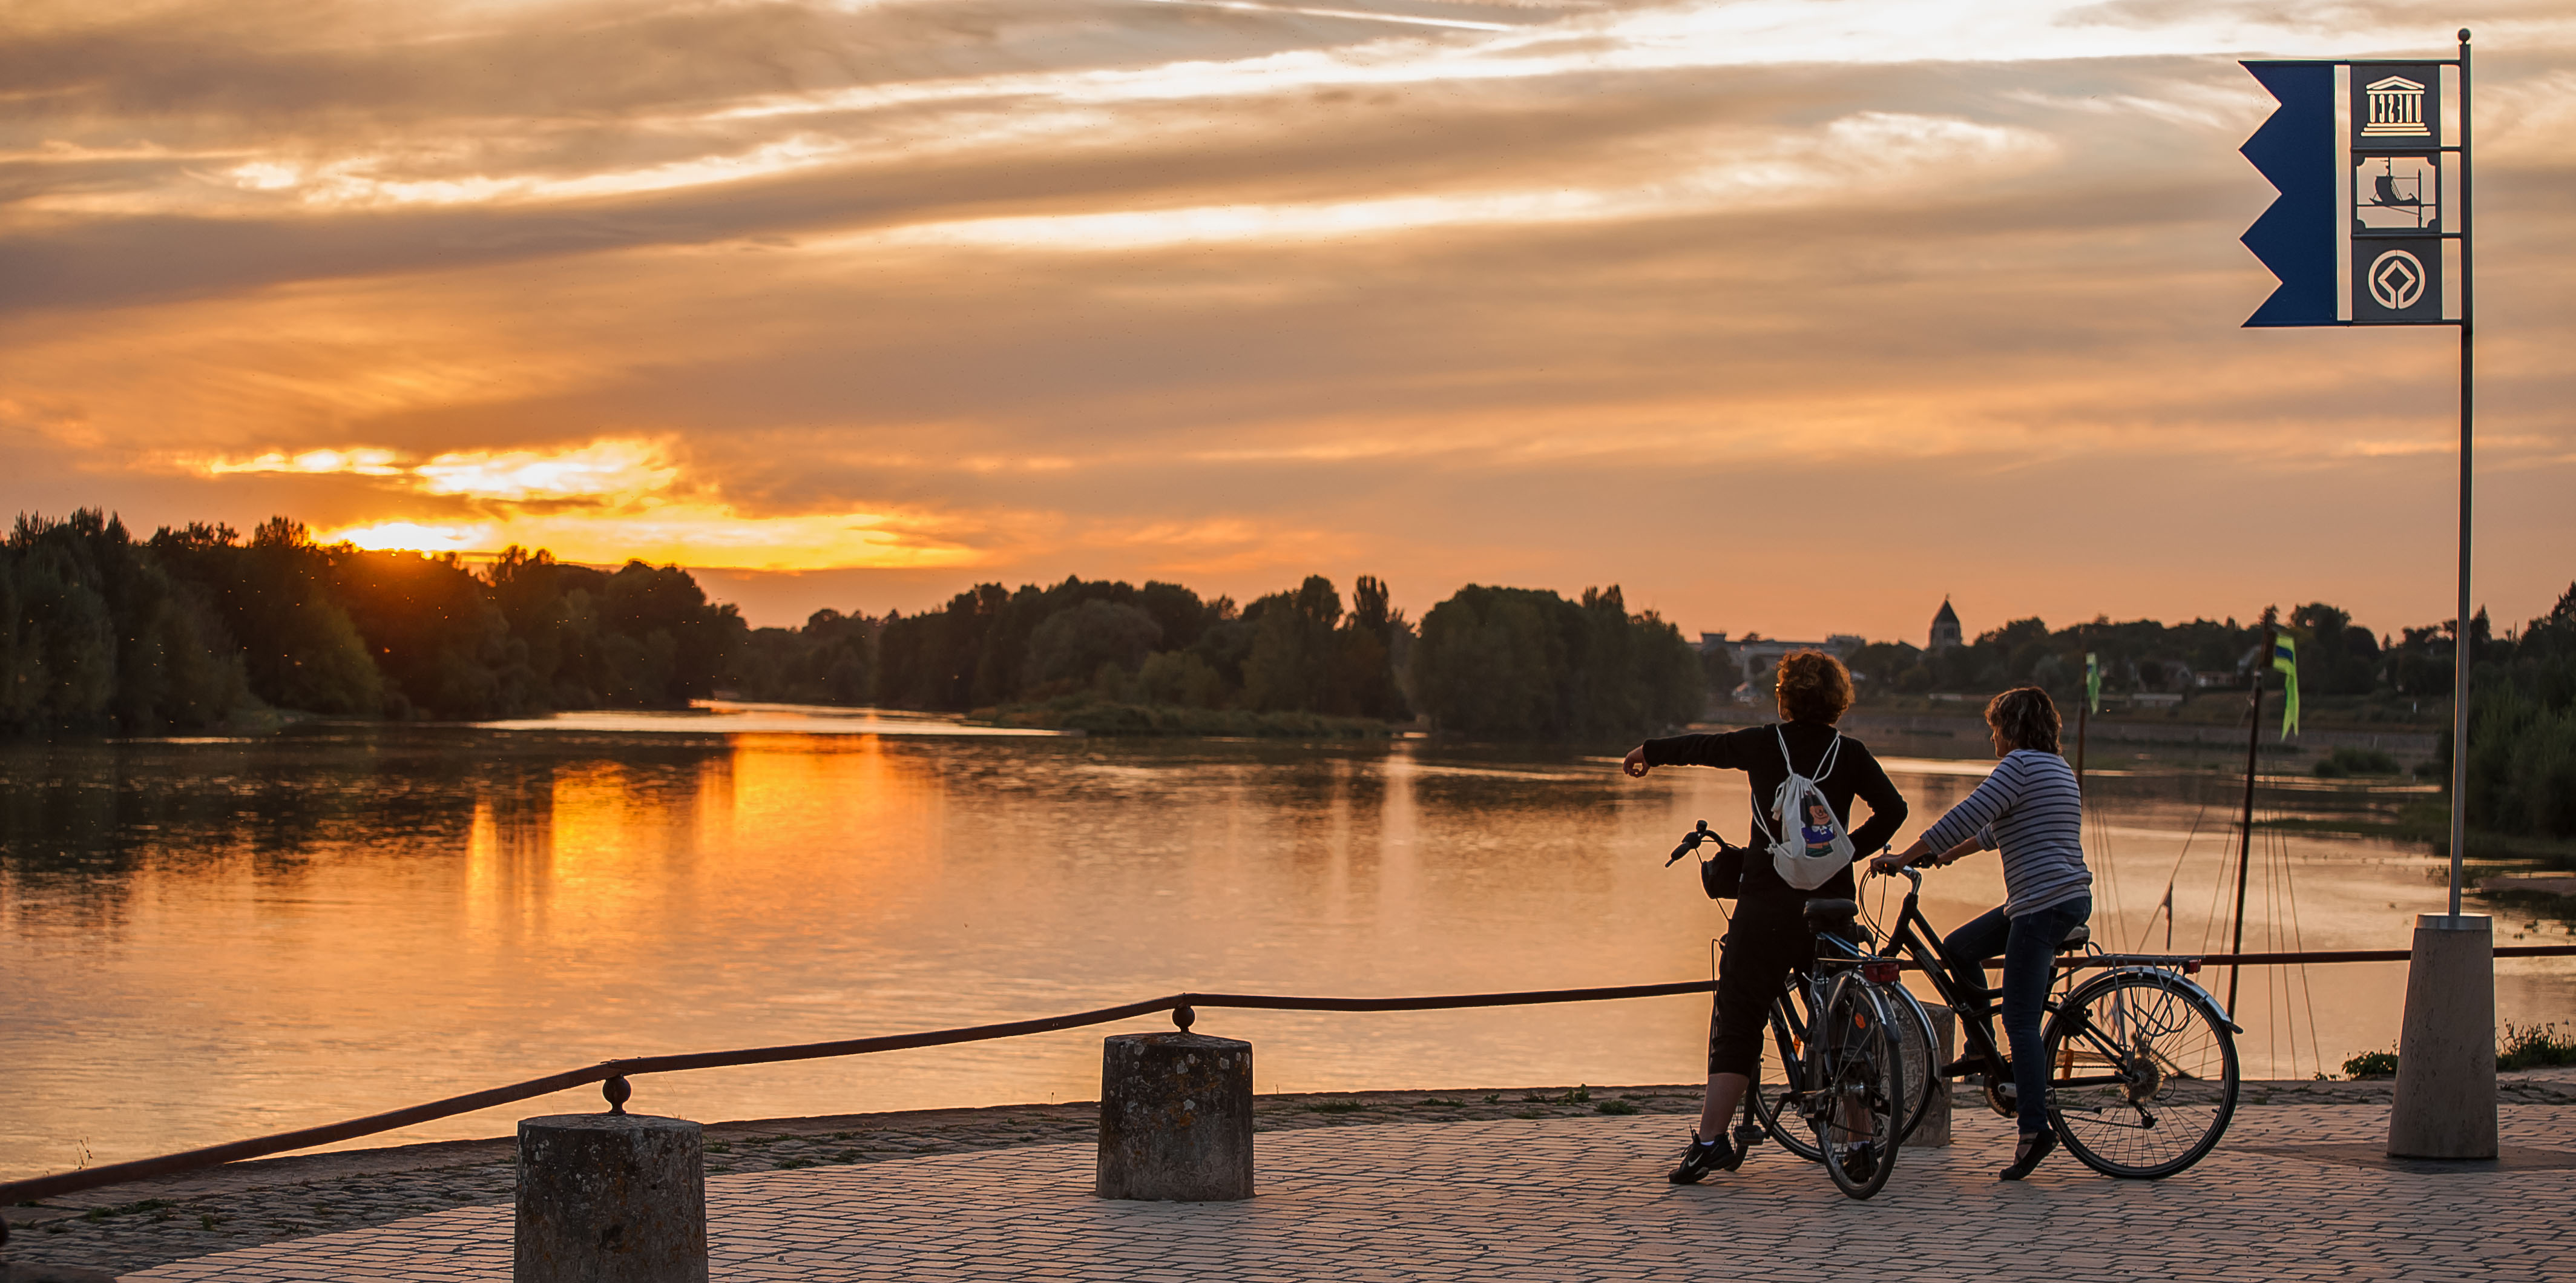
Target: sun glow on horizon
{"x":605,"y":502}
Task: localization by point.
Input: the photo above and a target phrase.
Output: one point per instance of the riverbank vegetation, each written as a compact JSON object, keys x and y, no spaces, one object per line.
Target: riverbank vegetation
{"x":2346,"y":672}
{"x":199,"y":626}
{"x":1111,"y":658}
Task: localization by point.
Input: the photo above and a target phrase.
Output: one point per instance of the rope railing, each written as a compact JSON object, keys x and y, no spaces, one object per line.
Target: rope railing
{"x":614,"y":1073}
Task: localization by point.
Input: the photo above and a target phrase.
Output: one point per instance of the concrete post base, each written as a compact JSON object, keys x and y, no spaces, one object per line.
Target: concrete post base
{"x":1935,"y":1127}
{"x":2446,"y":1085}
{"x":611,"y":1198}
{"x":1175,"y":1118}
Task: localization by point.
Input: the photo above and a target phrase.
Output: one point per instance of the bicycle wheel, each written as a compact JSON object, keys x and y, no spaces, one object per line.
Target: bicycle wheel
{"x":1918,"y":1051}
{"x":1856,"y":1088}
{"x":2142,"y":1074}
{"x":1779,"y":1093}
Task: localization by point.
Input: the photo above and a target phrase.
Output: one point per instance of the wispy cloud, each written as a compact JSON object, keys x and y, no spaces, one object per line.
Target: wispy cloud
{"x":1439,"y":289}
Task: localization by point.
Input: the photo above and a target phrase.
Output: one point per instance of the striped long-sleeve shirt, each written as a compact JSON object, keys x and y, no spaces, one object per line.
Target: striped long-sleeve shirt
{"x":2032,"y":811}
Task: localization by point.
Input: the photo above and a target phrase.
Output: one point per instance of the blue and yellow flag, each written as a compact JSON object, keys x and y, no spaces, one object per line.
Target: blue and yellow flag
{"x":2285,"y":656}
{"x":2093,"y":681}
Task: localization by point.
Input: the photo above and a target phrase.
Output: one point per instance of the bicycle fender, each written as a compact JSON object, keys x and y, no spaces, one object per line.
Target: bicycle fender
{"x":2170,"y":978}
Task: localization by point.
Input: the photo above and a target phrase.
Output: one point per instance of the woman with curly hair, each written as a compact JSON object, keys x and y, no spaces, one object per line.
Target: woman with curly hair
{"x":1768,"y":934}
{"x":2032,"y":810}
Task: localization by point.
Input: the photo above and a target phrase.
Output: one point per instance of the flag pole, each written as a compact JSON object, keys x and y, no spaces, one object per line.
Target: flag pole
{"x":2461,"y":651}
{"x":2253,"y":745}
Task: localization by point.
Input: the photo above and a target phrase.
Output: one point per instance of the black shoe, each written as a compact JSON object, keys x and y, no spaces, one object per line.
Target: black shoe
{"x":1860,"y":1162}
{"x":1703,"y":1157}
{"x":2034,"y":1147}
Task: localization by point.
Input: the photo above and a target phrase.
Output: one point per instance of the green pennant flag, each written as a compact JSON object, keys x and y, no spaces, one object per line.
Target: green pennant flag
{"x":2093,"y":681}
{"x":2285,"y":656}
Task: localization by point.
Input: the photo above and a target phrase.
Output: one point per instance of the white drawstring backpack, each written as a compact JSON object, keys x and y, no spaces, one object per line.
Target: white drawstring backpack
{"x":1808,"y":842}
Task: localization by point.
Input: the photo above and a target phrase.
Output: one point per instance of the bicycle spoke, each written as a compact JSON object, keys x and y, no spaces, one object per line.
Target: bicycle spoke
{"x":2171,"y":1088}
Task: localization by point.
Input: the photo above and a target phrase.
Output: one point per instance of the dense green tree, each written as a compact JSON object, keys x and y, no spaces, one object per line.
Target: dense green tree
{"x":1519,"y":663}
{"x":437,"y":635}
{"x":831,"y":660}
{"x":276,"y":603}
{"x":2522,"y":726}
{"x":97,"y":635}
{"x":1071,"y":646}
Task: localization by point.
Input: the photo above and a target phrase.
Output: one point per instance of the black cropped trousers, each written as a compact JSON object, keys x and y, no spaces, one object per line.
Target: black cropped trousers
{"x":1767,"y":939}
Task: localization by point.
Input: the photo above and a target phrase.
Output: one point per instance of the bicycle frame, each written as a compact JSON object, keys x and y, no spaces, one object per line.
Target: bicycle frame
{"x":1977,"y":1012}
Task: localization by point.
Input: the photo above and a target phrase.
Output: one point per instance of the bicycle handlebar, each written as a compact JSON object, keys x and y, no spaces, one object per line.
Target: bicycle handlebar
{"x":1692,"y":839}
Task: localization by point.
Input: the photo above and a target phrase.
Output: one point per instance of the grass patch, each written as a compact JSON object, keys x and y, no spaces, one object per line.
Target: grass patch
{"x":2346,"y":762}
{"x":2533,"y":1046}
{"x":2521,"y":1047}
{"x":719,"y":1147}
{"x":1614,"y":1107}
{"x":1493,"y":1100}
{"x":791,"y":1164}
{"x":1446,"y":1104}
{"x":1581,"y":1095}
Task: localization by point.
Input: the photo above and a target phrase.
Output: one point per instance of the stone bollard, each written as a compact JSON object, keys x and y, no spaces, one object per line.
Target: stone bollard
{"x":1935,"y":1127}
{"x":2446,"y":1087}
{"x":611,"y":1198}
{"x":1175,"y":1118}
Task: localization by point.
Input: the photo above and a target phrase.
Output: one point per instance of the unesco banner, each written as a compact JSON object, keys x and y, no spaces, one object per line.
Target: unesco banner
{"x":2369,"y":191}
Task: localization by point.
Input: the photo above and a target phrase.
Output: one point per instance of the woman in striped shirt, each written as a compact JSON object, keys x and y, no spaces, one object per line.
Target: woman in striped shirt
{"x":2032,"y":810}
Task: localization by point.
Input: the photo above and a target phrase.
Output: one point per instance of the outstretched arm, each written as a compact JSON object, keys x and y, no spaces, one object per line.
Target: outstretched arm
{"x":1682,"y":750}
{"x":1922,"y":854}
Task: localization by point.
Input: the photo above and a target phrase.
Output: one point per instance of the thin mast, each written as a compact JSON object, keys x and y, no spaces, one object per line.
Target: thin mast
{"x":2083,"y":709}
{"x":2245,"y":838}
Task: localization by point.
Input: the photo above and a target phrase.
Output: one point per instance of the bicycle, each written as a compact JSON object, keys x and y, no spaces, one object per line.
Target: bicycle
{"x":1771,"y":1099}
{"x":2144,"y":1069}
{"x":1852,"y":1090}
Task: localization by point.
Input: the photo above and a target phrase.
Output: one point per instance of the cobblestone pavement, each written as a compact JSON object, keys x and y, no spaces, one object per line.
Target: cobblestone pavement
{"x":1572,"y":1198}
{"x":145,"y":1223}
{"x":1521,"y":1183}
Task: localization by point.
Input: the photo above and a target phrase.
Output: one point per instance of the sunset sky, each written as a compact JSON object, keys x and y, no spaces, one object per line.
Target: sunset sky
{"x":1788,"y":315}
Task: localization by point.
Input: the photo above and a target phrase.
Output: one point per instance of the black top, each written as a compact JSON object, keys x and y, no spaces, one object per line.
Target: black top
{"x":1756,"y":752}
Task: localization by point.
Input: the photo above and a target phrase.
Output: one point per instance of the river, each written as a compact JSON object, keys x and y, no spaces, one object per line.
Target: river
{"x":203,"y":940}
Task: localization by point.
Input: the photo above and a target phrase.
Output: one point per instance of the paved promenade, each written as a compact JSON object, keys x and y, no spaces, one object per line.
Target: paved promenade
{"x":2296,"y":1194}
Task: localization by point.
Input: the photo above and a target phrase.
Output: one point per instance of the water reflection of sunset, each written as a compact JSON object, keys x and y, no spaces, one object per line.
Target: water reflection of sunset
{"x":322,"y":929}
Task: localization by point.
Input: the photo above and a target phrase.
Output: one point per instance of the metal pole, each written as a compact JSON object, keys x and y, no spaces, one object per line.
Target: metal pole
{"x":2460,"y":641}
{"x":2083,"y":711}
{"x":2245,"y":839}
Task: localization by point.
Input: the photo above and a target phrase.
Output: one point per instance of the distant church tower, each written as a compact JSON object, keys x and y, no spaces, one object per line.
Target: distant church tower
{"x":1945,"y":627}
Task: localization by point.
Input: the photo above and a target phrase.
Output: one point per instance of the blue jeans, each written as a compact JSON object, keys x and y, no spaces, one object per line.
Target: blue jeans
{"x":2029,"y":946}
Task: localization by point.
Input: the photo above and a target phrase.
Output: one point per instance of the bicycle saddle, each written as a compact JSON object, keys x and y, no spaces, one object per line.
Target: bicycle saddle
{"x":1821,"y":913}
{"x":2076,"y":939}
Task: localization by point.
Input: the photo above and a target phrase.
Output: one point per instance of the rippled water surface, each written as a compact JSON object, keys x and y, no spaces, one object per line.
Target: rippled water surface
{"x":207,"y":940}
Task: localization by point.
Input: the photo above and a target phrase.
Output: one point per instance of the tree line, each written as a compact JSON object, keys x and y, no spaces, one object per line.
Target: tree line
{"x":2336,"y":656}
{"x":2522,"y":727}
{"x":100,"y":631}
{"x":198,"y":625}
{"x":1502,"y":663}
{"x":2522,"y":709}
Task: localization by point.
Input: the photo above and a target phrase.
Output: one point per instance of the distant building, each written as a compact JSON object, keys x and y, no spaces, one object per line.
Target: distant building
{"x":1945,"y":628}
{"x":1758,"y":657}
